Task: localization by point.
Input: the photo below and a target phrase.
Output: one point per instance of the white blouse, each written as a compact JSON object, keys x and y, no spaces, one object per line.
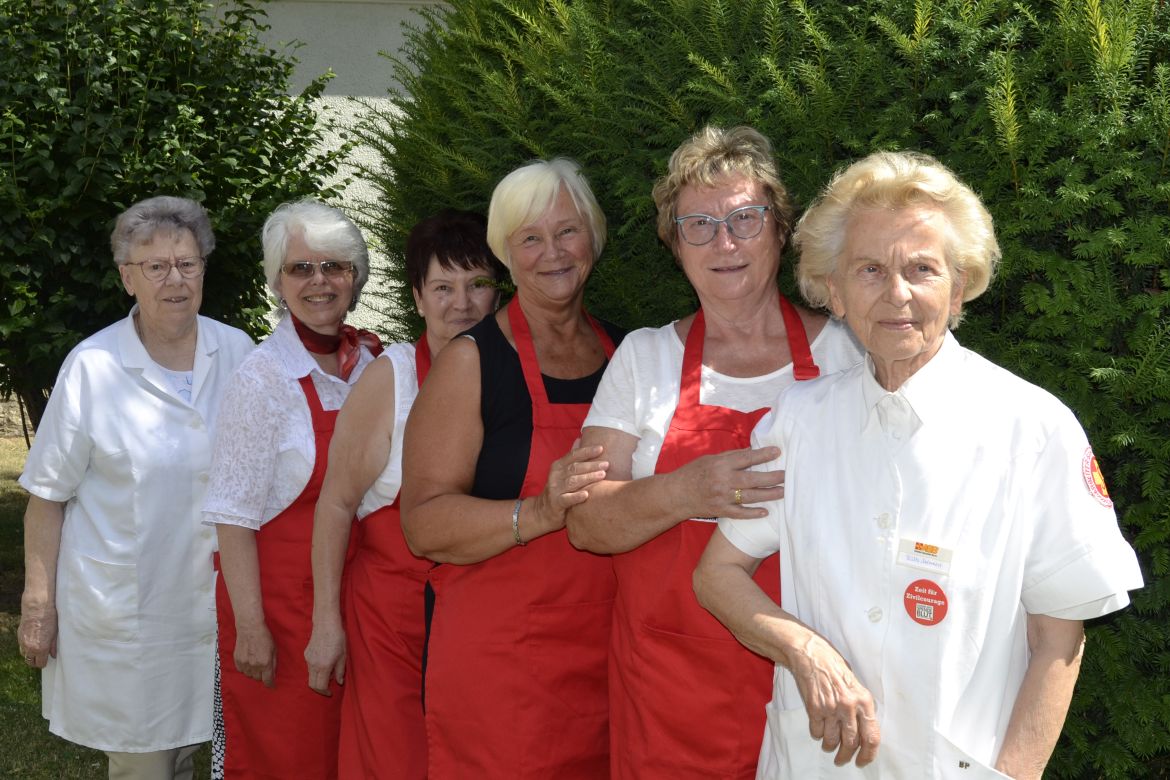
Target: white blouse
{"x":264,"y":450}
{"x":385,"y":489}
{"x":640,"y":389}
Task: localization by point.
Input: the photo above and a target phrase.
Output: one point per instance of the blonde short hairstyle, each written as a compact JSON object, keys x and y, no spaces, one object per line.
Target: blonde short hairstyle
{"x":526,"y":193}
{"x":709,"y":157}
{"x":895,"y":180}
{"x":324,"y":229}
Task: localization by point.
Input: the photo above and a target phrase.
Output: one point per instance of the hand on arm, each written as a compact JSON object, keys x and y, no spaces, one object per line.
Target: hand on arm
{"x":357,"y":455}
{"x":841,"y":711}
{"x":37,"y":634}
{"x":1054,"y":662}
{"x":255,"y":652}
{"x":623,"y":513}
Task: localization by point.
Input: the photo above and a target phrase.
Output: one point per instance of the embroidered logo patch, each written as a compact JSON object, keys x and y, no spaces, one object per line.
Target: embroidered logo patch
{"x":925,"y":602}
{"x":1094,"y":479}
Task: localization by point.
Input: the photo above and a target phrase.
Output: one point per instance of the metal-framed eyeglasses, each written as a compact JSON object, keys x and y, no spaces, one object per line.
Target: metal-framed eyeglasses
{"x":305,"y":269}
{"x":158,"y":269}
{"x":744,"y":222}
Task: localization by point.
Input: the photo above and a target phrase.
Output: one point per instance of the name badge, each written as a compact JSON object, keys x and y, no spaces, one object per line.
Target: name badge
{"x":924,"y":557}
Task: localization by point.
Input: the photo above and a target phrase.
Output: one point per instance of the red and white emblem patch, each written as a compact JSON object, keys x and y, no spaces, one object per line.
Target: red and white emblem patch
{"x":1094,"y":479}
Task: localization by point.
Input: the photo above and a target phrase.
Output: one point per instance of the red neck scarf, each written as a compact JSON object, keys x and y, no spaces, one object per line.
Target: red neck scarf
{"x":347,"y":344}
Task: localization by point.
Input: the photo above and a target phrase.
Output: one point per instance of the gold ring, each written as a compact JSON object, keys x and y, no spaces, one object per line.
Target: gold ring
{"x":738,"y":496}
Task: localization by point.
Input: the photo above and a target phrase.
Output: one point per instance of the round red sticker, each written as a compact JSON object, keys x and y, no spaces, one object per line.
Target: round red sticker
{"x":925,"y":602}
{"x":1094,"y":479}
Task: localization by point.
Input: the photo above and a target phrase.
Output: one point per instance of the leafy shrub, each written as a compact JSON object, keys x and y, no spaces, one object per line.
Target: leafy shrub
{"x":1056,"y":111}
{"x":104,"y":103}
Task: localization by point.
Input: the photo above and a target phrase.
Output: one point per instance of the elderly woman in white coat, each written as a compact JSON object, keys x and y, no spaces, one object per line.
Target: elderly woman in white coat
{"x":945,"y":528}
{"x":268,"y":466}
{"x":118,"y":605}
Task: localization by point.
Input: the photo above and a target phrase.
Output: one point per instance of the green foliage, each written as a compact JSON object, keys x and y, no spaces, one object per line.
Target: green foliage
{"x":106,"y":102}
{"x":1056,"y":111}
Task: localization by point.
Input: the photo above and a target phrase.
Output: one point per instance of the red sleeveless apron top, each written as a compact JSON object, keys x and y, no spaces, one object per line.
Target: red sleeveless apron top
{"x":288,"y":730}
{"x":687,"y":700}
{"x":382,"y":729}
{"x":516,"y":676}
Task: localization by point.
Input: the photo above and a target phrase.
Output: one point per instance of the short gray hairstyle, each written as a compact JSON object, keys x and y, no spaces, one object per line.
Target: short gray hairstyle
{"x":895,"y":180}
{"x":324,"y":229}
{"x":140,"y":223}
{"x":527,"y":192}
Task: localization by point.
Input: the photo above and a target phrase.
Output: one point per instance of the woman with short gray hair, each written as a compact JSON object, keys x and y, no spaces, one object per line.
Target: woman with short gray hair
{"x":118,"y":605}
{"x":267,"y":469}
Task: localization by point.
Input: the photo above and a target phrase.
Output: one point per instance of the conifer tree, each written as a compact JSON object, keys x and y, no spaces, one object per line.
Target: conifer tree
{"x":1056,"y":111}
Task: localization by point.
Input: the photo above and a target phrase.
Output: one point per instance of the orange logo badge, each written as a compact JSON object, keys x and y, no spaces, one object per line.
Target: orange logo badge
{"x":1094,"y":479}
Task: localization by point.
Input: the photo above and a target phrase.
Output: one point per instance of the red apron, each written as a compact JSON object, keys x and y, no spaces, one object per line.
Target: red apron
{"x":382,"y":729}
{"x":516,"y":677}
{"x":285,"y":731}
{"x":687,"y":700}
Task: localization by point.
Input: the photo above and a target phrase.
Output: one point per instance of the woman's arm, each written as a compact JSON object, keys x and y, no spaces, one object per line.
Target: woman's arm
{"x":1054,"y":662}
{"x":358,"y":453}
{"x":841,"y":710}
{"x":623,"y":513}
{"x":37,"y":634}
{"x":443,"y":438}
{"x":255,"y":652}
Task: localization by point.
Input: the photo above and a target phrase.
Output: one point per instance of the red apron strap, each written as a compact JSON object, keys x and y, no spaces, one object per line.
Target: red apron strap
{"x":522,"y":335}
{"x":803,"y":366}
{"x":422,"y":358}
{"x":692,"y":367}
{"x":316,"y":411}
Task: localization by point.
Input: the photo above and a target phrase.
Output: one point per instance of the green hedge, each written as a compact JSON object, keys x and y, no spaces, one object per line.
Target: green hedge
{"x":106,"y":102}
{"x":1056,"y":111}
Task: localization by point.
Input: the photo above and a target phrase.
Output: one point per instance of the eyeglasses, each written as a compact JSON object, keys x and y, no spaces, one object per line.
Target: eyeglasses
{"x":158,"y":269}
{"x":305,"y":269}
{"x":744,"y":222}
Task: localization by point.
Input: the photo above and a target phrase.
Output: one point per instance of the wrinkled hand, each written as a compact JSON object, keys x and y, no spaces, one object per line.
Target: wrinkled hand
{"x":706,"y":486}
{"x":841,"y":711}
{"x":568,"y":478}
{"x":255,"y":653}
{"x":325,"y":656}
{"x":37,"y":634}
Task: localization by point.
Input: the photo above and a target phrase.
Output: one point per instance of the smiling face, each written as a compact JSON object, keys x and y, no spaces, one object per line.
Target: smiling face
{"x":320,"y":301}
{"x":727,"y":268}
{"x":172,"y":303}
{"x":454,"y":299}
{"x":895,"y":289}
{"x":551,"y":257}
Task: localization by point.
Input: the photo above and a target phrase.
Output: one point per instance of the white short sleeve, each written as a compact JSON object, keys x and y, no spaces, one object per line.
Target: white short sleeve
{"x":760,"y":538}
{"x":244,"y":459}
{"x":60,"y":453}
{"x":1079,"y":566}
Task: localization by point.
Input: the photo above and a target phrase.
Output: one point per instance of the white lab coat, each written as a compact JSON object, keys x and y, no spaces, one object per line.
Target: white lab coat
{"x":135,"y":596}
{"x":917,"y":531}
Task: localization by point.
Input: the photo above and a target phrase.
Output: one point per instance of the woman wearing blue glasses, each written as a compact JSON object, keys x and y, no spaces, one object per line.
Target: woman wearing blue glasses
{"x":267,"y":470}
{"x":674,"y":413}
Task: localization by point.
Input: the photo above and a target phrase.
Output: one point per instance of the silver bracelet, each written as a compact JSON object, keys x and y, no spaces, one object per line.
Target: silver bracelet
{"x":516,"y":523}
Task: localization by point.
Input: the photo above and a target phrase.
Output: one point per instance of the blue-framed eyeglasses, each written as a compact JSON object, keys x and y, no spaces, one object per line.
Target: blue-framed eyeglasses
{"x":744,"y":222}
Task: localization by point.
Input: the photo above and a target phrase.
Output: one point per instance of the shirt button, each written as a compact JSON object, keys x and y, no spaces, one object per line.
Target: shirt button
{"x":884,"y":520}
{"x":874,"y":614}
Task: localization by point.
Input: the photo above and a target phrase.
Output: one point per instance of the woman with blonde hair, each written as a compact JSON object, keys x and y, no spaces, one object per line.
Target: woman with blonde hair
{"x":516,"y":675}
{"x":674,"y":414}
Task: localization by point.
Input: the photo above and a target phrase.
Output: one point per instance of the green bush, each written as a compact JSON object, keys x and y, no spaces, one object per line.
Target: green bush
{"x":106,"y":102}
{"x":1056,"y":111}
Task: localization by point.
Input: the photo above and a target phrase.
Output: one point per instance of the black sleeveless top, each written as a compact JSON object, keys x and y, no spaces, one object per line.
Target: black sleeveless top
{"x":506,"y":409}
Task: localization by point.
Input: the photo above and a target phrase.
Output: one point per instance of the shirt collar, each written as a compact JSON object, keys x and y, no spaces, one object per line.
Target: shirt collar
{"x":927,"y":393}
{"x":297,"y":361}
